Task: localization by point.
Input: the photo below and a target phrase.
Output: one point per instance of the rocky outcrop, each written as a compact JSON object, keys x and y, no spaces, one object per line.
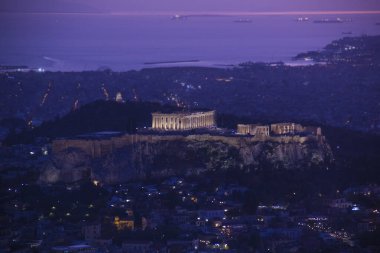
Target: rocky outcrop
{"x":141,"y":156}
{"x":67,"y":166}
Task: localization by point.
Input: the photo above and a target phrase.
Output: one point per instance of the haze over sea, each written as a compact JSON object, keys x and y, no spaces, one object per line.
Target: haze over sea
{"x":75,"y":42}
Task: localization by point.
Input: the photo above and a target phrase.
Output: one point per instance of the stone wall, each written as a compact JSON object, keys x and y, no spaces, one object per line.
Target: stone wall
{"x":98,"y":148}
{"x":139,"y":156}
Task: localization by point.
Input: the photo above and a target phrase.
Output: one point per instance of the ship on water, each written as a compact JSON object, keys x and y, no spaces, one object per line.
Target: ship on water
{"x":332,"y":21}
{"x":303,"y":19}
{"x":243,"y":20}
{"x":328,"y":21}
{"x":178,"y":17}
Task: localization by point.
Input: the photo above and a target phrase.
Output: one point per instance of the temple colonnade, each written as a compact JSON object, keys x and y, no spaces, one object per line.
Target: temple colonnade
{"x":183,"y":121}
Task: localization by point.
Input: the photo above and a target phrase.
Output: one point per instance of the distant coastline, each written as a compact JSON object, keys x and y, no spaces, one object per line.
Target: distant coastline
{"x":165,"y":62}
{"x":176,"y":46}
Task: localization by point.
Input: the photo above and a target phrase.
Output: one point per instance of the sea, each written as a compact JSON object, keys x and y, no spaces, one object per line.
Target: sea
{"x":77,"y":42}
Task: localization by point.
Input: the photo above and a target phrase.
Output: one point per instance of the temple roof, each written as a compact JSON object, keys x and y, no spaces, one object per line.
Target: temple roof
{"x":183,"y":113}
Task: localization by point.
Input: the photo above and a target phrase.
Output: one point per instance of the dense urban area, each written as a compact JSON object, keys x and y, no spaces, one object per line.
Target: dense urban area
{"x":331,"y":206}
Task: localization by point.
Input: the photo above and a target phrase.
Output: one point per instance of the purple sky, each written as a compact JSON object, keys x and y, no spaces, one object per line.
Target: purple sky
{"x":157,"y":6}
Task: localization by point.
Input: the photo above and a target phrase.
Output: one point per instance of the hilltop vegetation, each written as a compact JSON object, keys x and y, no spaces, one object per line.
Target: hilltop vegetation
{"x":94,"y":117}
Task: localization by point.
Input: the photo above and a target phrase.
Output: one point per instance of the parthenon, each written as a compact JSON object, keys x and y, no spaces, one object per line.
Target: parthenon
{"x":183,"y":120}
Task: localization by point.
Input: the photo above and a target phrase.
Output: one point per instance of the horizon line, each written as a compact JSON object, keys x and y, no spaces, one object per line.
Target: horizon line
{"x":207,"y":13}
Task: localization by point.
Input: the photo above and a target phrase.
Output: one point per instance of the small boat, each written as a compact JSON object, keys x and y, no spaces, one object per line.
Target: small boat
{"x":302,"y":19}
{"x":243,"y":20}
{"x":329,"y":21}
{"x":177,"y":17}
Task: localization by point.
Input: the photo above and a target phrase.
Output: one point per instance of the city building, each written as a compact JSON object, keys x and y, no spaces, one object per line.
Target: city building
{"x":124,"y":223}
{"x":91,"y":231}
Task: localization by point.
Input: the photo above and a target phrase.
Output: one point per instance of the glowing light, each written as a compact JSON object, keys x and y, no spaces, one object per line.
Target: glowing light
{"x":119,"y":97}
{"x":44,"y":98}
{"x":76,"y":105}
{"x":355,"y":208}
{"x":105,"y":92}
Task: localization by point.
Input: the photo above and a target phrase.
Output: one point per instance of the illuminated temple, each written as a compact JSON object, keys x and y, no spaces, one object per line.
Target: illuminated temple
{"x":183,"y":120}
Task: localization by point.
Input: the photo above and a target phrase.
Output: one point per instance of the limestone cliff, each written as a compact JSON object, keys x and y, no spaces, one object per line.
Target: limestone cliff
{"x":140,"y":156}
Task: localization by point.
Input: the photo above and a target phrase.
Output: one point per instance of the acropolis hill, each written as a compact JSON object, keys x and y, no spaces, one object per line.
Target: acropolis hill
{"x":167,"y":149}
{"x":172,"y":127}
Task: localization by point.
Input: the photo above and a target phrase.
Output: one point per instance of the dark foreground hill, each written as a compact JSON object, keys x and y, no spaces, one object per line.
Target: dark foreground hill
{"x":95,"y":117}
{"x":107,"y":116}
